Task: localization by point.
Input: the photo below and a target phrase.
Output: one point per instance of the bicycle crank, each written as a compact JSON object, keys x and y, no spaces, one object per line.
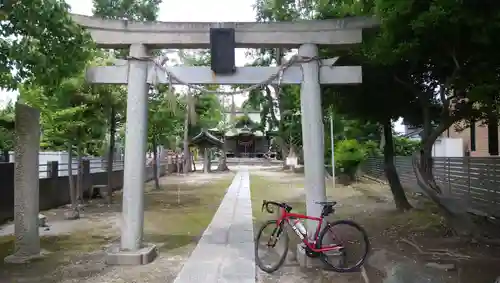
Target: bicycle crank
{"x":311,"y":253}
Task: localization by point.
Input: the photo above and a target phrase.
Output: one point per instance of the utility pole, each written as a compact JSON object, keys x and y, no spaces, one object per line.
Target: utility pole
{"x":333,"y":149}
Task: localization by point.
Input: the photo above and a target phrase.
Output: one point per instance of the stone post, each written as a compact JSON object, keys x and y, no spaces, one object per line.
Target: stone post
{"x":52,"y":169}
{"x":53,"y":173}
{"x":26,"y":185}
{"x":131,"y":250}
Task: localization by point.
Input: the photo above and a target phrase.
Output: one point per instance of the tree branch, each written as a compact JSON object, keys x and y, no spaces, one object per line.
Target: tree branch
{"x":407,"y":85}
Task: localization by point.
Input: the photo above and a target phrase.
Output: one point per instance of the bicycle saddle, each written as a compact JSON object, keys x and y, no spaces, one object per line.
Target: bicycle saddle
{"x":326,"y":203}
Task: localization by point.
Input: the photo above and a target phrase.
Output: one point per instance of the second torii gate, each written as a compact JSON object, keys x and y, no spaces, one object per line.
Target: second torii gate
{"x":137,"y":74}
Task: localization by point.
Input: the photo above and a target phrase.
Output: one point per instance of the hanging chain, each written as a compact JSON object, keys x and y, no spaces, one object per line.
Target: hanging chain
{"x":159,"y":64}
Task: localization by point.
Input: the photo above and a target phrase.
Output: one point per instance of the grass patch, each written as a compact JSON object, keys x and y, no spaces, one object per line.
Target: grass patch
{"x":280,"y":190}
{"x":60,"y":249}
{"x":263,"y":188}
{"x":175,"y":216}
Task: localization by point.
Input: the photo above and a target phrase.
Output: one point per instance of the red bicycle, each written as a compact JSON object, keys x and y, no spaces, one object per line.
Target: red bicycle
{"x":334,"y":247}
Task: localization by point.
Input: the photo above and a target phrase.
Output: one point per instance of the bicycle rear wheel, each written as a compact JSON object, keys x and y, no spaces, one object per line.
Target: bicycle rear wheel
{"x":352,"y":239}
{"x":268,"y":238}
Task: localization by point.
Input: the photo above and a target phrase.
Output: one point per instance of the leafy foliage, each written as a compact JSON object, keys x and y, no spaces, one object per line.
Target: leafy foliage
{"x":143,"y":10}
{"x":348,"y":155}
{"x":405,"y":147}
{"x":245,"y":120}
{"x":372,"y":148}
{"x":164,"y":123}
{"x":6,"y":127}
{"x":40,"y":43}
{"x":72,"y":114}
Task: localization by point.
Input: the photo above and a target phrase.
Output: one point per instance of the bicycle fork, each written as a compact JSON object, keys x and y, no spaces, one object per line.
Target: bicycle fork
{"x":275,"y":236}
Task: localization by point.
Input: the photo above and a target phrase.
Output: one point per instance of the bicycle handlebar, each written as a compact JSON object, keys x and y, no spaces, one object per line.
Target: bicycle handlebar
{"x":266,"y":204}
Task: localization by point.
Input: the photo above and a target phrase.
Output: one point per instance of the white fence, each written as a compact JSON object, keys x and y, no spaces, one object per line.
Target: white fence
{"x":97,"y":164}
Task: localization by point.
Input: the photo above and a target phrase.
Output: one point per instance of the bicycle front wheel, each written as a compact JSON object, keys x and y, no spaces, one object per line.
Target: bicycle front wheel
{"x":349,"y":242}
{"x":271,"y":246}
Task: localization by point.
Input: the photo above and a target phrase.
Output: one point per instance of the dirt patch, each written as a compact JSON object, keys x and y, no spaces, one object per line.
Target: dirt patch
{"x":175,"y":218}
{"x":393,"y":260}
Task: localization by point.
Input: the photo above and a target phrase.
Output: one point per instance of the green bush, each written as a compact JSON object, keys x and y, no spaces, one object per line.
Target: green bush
{"x":348,"y":155}
{"x":372,"y":148}
{"x":405,"y":147}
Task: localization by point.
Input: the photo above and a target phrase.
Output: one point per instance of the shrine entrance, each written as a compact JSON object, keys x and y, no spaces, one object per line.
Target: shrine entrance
{"x":246,"y":145}
{"x":141,"y":69}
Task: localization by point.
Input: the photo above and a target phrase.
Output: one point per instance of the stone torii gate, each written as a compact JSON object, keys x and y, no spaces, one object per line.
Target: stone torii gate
{"x":137,"y":74}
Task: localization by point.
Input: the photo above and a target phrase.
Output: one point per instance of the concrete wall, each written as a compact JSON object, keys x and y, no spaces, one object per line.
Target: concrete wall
{"x":54,"y":191}
{"x":448,"y":147}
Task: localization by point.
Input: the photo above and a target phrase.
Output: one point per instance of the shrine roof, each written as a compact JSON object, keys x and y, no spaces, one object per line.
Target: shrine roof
{"x":240,"y":131}
{"x":206,"y":137}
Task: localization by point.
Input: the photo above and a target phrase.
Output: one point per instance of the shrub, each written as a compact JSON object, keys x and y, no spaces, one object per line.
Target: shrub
{"x":372,"y":148}
{"x":348,"y":155}
{"x":405,"y":147}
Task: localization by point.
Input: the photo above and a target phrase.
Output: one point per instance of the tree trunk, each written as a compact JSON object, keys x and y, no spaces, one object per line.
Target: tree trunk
{"x":79,"y":180}
{"x":192,"y":163}
{"x":283,"y":148}
{"x":210,"y":155}
{"x":111,"y":151}
{"x":222,"y":159}
{"x":206,"y":161}
{"x":390,"y":170}
{"x":452,"y":208}
{"x":155,"y":163}
{"x":284,"y":151}
{"x":75,"y":213}
{"x":382,"y":137}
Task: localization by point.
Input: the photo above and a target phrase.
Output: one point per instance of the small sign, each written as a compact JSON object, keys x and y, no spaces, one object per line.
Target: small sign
{"x":291,"y":161}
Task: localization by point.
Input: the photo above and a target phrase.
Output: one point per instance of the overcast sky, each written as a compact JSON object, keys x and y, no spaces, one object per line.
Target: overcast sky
{"x":186,"y":11}
{"x":182,"y":11}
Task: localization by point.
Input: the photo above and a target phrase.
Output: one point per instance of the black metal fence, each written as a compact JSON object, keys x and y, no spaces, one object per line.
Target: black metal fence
{"x":473,"y":179}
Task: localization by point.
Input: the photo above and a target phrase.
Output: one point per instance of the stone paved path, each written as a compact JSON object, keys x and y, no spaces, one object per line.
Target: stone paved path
{"x":225,"y":253}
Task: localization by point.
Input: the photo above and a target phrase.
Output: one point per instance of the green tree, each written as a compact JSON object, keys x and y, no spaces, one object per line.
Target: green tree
{"x":7,"y":130}
{"x":359,"y":103}
{"x":202,"y":111}
{"x":448,"y":52}
{"x":164,"y":125}
{"x":41,"y":43}
{"x":72,"y":120}
{"x":143,"y":10}
{"x":435,"y":64}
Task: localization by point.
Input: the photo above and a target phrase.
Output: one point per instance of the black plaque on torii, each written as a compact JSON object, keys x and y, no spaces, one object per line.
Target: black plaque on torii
{"x":222,"y":51}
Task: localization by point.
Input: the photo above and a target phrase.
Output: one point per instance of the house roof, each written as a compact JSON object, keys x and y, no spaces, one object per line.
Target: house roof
{"x":413,"y":133}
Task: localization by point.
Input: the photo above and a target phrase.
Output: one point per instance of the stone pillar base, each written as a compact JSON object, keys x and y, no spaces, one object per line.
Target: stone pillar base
{"x":305,"y":261}
{"x":115,"y":256}
{"x":21,"y":259}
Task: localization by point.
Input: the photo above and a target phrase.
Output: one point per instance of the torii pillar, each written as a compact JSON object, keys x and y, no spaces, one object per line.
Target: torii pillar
{"x":306,"y":35}
{"x":312,"y":135}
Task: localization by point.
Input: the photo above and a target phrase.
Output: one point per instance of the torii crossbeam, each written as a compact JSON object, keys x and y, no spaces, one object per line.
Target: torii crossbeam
{"x":141,"y":37}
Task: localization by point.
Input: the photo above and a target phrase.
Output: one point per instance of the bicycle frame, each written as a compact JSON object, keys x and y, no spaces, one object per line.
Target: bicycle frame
{"x":287,"y":216}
